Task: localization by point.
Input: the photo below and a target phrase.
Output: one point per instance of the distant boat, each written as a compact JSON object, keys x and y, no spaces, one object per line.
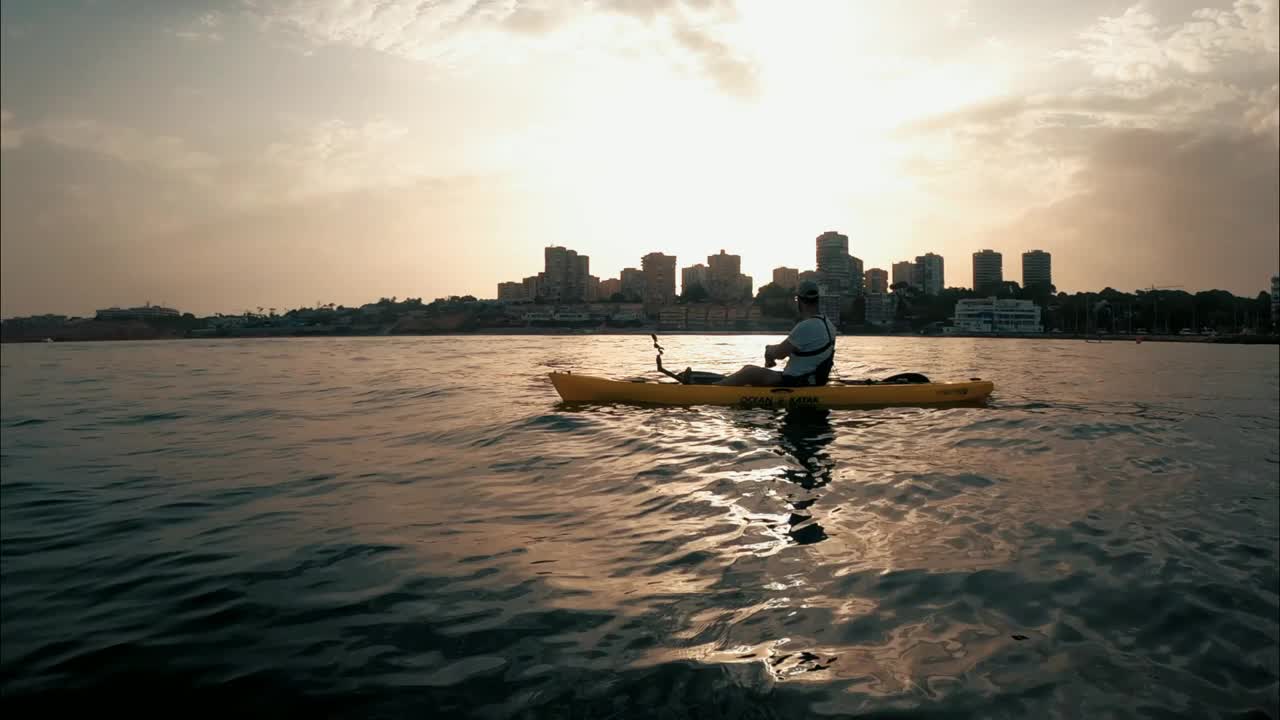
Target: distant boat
{"x":47,"y":340}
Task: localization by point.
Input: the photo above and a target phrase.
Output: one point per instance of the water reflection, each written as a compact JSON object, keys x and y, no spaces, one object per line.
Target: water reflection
{"x":805,"y":435}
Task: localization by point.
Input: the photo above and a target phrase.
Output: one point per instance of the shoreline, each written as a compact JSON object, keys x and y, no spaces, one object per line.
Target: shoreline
{"x":519,"y":332}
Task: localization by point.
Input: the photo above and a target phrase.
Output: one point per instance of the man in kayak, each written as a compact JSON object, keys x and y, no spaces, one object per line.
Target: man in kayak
{"x":810,"y":349}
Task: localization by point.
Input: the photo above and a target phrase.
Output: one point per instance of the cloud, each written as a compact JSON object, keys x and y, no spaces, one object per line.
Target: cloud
{"x":450,"y":31}
{"x":347,"y":247}
{"x":308,"y":159}
{"x":1262,"y":115}
{"x":127,"y":145}
{"x":112,"y":215}
{"x":415,"y":29}
{"x":1164,"y":158}
{"x":1163,"y":105}
{"x":334,"y":157}
{"x":733,"y":73}
{"x":102,"y":175}
{"x":10,"y":135}
{"x":533,"y":19}
{"x":654,"y":9}
{"x":691,"y":25}
{"x":1215,"y":72}
{"x":1135,"y":46}
{"x":205,"y":28}
{"x":1147,"y":204}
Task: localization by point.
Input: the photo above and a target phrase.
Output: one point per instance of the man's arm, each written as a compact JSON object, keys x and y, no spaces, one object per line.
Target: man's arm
{"x":773,"y":353}
{"x":786,"y":348}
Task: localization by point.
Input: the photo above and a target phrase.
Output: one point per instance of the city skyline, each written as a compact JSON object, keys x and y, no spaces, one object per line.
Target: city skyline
{"x":926,"y":273}
{"x":214,"y":154}
{"x":616,"y":283}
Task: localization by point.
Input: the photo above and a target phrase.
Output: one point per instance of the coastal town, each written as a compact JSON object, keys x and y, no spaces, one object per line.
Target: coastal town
{"x":910,"y":297}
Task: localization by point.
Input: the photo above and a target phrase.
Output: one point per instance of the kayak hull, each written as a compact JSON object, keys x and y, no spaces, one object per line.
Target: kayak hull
{"x":587,"y":389}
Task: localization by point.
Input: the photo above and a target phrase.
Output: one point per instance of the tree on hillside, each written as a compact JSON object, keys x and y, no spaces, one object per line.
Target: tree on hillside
{"x":776,"y":301}
{"x":1262,"y":310}
{"x":694,"y":294}
{"x":857,"y":314}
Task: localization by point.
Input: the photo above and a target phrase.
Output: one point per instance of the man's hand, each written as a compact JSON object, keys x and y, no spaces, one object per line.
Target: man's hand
{"x":774,"y":353}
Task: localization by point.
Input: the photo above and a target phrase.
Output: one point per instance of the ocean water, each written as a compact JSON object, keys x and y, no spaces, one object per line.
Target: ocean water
{"x":415,"y":527}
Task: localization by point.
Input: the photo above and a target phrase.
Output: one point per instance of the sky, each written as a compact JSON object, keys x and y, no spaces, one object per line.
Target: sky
{"x":218,"y":156}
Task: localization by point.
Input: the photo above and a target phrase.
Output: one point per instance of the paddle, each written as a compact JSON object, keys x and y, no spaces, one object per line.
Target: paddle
{"x":661,"y":369}
{"x":689,"y":376}
{"x":907,"y":378}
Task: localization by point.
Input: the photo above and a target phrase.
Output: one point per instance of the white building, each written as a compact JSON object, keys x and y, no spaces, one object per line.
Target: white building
{"x":989,"y":315}
{"x":145,"y":312}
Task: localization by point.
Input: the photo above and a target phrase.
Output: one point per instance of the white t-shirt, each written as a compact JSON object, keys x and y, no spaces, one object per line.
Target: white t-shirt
{"x":808,"y":335}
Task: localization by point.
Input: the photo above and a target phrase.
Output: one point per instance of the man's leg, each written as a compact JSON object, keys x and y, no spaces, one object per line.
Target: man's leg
{"x":753,"y":375}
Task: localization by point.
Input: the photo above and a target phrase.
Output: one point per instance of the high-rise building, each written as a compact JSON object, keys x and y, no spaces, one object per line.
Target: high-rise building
{"x":876,"y":281}
{"x":659,"y":278}
{"x":1036,"y":269}
{"x":609,"y":288}
{"x":511,"y":292}
{"x":988,"y":272}
{"x":833,"y":261}
{"x":904,"y":272}
{"x":810,"y":276}
{"x":744,"y":287}
{"x":855,"y":275}
{"x":579,"y":279}
{"x":722,"y":275}
{"x":694,"y":275}
{"x":564,"y":278}
{"x":555,"y":273}
{"x":927,"y":274}
{"x":532,"y":285}
{"x":829,"y":304}
{"x":592,"y":291}
{"x":633,"y":284}
{"x":786,"y":277}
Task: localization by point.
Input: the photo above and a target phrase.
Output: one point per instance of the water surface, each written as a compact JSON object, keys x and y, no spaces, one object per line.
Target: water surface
{"x":386,"y":527}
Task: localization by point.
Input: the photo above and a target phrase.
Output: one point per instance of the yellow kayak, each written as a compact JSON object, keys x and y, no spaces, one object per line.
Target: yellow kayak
{"x":588,"y":389}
